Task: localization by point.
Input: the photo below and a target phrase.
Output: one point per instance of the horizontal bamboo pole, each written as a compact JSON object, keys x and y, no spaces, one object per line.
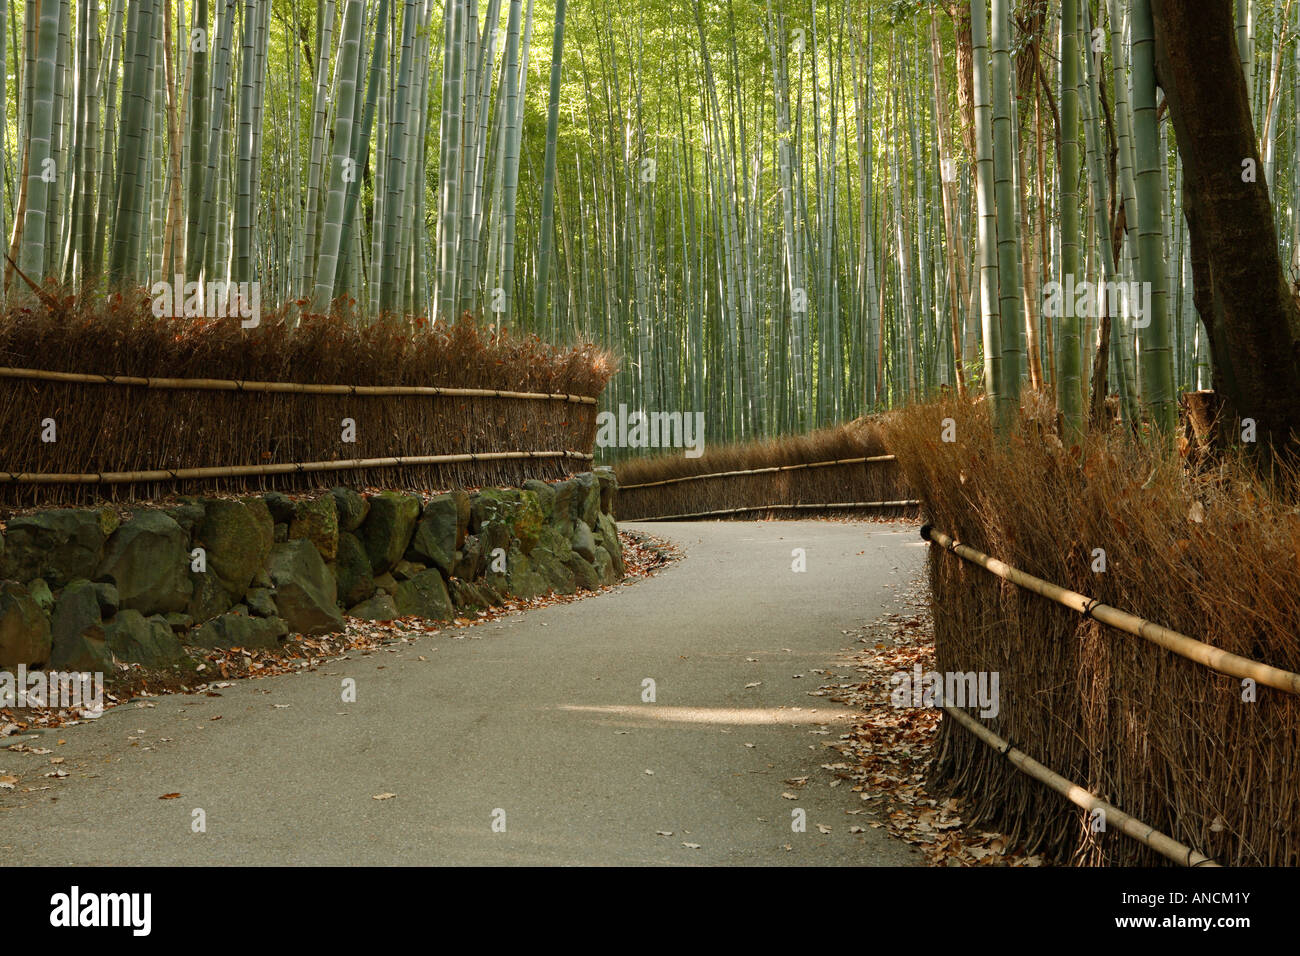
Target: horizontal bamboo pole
{"x":804,"y":507}
{"x":1162,"y":843}
{"x":759,"y":471}
{"x":1212,"y":657}
{"x":236,"y":471}
{"x":234,"y":385}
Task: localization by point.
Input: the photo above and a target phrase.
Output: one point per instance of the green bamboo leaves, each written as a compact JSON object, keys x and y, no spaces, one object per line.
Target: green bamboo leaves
{"x":783,"y":214}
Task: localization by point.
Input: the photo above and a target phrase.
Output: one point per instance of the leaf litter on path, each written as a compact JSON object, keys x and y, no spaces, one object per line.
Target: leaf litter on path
{"x":888,"y":752}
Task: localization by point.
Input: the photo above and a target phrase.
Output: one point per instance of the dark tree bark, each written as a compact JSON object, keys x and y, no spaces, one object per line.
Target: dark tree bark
{"x":1249,"y":312}
{"x":960,"y":13}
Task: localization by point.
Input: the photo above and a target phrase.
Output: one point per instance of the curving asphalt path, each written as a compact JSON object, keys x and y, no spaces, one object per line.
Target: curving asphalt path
{"x":540,"y":716}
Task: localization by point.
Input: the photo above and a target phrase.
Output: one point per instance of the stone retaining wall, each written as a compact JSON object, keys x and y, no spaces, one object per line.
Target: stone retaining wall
{"x":81,"y":588}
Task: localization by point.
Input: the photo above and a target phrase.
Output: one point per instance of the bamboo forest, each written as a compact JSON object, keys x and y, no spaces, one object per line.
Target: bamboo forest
{"x":941,"y":357}
{"x":785,"y":214}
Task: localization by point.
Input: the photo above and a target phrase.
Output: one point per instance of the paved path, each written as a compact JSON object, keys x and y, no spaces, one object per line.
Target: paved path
{"x":540,"y":716}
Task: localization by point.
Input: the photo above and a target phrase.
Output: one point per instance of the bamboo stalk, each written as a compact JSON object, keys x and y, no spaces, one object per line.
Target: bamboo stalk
{"x":1151,"y":182}
{"x":32,"y":251}
{"x":540,"y":306}
{"x":1008,"y":238}
{"x":1069,"y":388}
{"x":1212,"y":657}
{"x":760,"y":471}
{"x":999,"y":390}
{"x":392,"y":270}
{"x":282,"y":468}
{"x":1162,"y":843}
{"x":235,"y":385}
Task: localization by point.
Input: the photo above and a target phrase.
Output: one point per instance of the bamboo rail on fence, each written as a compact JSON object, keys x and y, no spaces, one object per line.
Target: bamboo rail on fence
{"x":760,"y":471}
{"x":801,"y":507}
{"x":281,"y":468}
{"x":1208,"y":655}
{"x":1162,"y":843}
{"x":236,"y":385}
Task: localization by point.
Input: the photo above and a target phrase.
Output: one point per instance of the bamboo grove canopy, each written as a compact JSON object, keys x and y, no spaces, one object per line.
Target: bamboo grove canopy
{"x":784,"y":213}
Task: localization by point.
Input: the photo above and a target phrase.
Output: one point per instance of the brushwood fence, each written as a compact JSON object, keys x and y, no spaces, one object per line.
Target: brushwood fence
{"x":1204,"y":749}
{"x":71,"y":437}
{"x":778,"y":479}
{"x":1248,"y":671}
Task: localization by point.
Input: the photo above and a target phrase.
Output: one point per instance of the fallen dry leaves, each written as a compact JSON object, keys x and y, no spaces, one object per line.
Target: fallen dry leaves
{"x":888,"y":752}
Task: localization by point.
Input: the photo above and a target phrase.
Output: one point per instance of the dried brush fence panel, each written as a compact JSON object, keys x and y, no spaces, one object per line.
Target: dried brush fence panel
{"x":1233,"y":665}
{"x":142,"y":443}
{"x":839,"y":470}
{"x":1197,"y":754}
{"x":330,"y":403}
{"x":1205,"y":654}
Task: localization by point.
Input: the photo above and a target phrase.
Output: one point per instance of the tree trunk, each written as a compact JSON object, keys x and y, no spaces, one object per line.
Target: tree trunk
{"x":1249,"y":313}
{"x":960,"y":14}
